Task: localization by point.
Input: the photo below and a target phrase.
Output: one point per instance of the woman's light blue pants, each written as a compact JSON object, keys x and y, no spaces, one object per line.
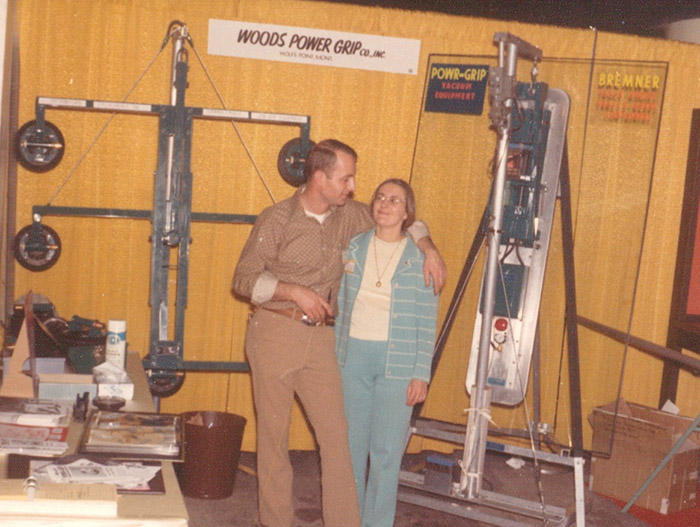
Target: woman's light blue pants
{"x":378,"y":421}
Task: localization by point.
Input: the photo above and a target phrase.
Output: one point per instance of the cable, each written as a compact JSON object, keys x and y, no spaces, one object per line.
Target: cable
{"x":172,"y":30}
{"x":521,"y":118}
{"x":538,"y":480}
{"x":109,"y":120}
{"x":235,"y":128}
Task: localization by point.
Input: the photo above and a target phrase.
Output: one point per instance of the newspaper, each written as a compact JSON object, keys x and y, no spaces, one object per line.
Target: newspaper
{"x":125,"y":475}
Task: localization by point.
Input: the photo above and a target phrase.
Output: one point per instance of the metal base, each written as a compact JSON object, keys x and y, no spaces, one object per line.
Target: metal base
{"x":491,"y":507}
{"x":485,"y":511}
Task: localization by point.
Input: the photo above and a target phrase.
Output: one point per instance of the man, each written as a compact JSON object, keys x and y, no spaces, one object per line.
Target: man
{"x":291,"y":268}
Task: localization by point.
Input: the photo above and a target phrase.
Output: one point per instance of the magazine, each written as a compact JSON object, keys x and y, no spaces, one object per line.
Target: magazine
{"x":133,"y":435}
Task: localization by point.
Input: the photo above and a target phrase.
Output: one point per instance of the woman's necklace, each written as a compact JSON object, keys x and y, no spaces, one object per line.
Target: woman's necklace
{"x":376,"y":262}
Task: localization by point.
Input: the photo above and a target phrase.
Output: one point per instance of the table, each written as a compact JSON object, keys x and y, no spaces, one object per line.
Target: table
{"x":152,"y":510}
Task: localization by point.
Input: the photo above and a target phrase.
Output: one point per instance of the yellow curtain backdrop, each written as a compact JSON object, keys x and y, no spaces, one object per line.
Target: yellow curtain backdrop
{"x":99,"y":49}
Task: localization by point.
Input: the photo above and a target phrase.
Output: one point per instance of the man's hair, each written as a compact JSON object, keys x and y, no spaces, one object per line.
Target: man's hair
{"x":410,"y":200}
{"x":323,"y":156}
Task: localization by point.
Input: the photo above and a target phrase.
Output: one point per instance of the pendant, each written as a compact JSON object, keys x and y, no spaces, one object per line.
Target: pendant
{"x":379,"y":283}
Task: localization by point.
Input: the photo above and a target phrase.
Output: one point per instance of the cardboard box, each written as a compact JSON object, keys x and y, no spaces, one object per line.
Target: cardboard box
{"x":41,"y":364}
{"x":643,"y":438}
{"x":65,"y":386}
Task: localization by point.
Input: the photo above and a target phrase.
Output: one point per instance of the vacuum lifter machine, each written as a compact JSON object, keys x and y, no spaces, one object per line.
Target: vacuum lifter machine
{"x":530,"y":120}
{"x":37,"y":246}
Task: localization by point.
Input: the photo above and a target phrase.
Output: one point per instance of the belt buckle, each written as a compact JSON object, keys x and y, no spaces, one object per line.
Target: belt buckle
{"x":306,"y":320}
{"x":328,"y":321}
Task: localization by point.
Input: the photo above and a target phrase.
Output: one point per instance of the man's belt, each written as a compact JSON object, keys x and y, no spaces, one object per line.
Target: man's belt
{"x":299,"y":316}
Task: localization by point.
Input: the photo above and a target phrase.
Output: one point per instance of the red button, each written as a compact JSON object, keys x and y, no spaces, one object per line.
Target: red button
{"x":501,"y":324}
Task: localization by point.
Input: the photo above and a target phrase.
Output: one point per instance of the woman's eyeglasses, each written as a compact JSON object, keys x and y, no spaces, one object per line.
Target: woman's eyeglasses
{"x":391,"y":200}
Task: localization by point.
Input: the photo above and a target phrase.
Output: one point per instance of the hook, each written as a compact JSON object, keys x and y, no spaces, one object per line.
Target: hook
{"x":533,"y":76}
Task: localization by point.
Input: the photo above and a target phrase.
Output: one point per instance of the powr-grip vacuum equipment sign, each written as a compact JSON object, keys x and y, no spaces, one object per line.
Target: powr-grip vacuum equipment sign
{"x":456,"y":88}
{"x":313,"y":46}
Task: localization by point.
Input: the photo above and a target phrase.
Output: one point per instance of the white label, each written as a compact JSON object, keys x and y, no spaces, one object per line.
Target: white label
{"x":73,"y":103}
{"x":313,"y":46}
{"x":279,"y":117}
{"x":228,"y":114}
{"x":115,"y":350}
{"x":122,"y":106}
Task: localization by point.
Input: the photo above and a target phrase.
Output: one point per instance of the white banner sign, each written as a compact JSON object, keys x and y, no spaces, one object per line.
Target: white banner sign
{"x":313,"y":46}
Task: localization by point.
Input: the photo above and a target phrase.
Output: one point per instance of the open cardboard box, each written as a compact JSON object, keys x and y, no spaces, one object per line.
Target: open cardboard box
{"x":643,"y":437}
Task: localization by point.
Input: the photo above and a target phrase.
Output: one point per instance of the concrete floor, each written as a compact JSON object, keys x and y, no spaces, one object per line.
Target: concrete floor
{"x":240,"y":509}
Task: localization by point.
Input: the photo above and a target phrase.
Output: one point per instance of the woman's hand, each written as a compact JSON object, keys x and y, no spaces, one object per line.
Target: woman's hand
{"x":310,"y":302}
{"x":434,"y":266}
{"x":416,"y":392}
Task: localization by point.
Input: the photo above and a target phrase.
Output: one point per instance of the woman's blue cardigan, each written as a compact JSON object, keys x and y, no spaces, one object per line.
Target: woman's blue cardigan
{"x":413,"y":318}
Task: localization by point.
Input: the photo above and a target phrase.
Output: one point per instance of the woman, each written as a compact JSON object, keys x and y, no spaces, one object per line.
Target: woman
{"x":385,"y":335}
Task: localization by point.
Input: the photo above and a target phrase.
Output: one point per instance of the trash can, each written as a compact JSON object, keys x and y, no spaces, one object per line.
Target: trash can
{"x":212,"y":448}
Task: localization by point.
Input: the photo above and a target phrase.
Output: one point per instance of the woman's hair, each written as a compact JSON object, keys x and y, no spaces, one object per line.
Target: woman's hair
{"x":322,"y":156}
{"x":410,"y":200}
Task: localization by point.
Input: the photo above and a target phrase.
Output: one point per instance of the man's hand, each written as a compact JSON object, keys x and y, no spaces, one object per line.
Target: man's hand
{"x":433,"y":266}
{"x":311,"y":303}
{"x":416,"y":392}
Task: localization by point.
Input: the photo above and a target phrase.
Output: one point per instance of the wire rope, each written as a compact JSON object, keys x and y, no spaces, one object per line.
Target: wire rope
{"x":538,"y":479}
{"x":172,"y":30}
{"x":235,"y":128}
{"x":109,"y":120}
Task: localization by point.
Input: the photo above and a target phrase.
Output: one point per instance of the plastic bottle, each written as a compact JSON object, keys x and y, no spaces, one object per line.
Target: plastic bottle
{"x":115,"y":351}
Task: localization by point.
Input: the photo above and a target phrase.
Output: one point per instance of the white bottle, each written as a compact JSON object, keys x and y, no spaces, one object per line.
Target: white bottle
{"x":115,"y":351}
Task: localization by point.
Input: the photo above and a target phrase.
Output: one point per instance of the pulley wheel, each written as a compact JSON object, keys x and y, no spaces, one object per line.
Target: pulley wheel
{"x":163,"y":386}
{"x":290,"y":162}
{"x":37,"y":247}
{"x":39,"y":148}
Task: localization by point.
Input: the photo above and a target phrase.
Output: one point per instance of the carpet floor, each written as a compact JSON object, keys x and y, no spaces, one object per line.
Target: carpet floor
{"x":240,"y":509}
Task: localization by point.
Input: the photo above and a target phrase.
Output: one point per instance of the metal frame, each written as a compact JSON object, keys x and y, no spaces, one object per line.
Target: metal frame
{"x":509,"y":368}
{"x":683,"y":327}
{"x":171,"y":215}
{"x":493,"y":507}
